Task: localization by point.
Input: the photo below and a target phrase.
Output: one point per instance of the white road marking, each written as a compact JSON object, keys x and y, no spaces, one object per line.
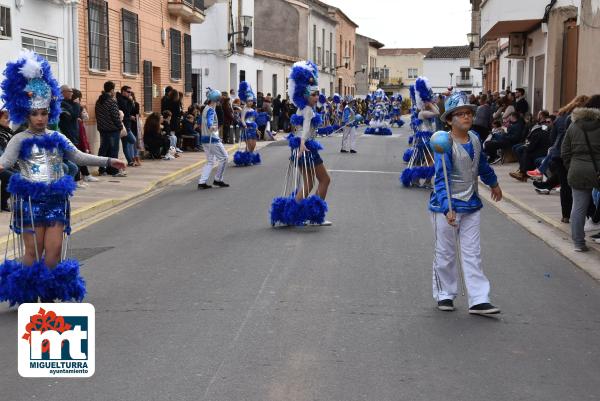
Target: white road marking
{"x":364,"y":171}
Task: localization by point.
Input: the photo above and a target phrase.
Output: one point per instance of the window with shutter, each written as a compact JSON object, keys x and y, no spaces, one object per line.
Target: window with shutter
{"x":131,"y":43}
{"x":147,"y":86}
{"x":187,"y":56}
{"x":175,"y":54}
{"x":98,"y":35}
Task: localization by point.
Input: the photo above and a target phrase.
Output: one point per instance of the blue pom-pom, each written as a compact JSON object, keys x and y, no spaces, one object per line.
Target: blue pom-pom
{"x":286,"y":210}
{"x":314,"y":209}
{"x":337,"y":99}
{"x":317,"y":120}
{"x":297,"y":120}
{"x":407,"y":155}
{"x":66,"y":283}
{"x":406,"y":177}
{"x":256,"y":158}
{"x":322,"y":99}
{"x":411,"y":139}
{"x":293,"y":141}
{"x":242,"y":159}
{"x":262,"y":119}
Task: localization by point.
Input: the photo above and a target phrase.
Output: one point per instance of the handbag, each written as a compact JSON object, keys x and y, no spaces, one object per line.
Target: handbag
{"x":589,"y":145}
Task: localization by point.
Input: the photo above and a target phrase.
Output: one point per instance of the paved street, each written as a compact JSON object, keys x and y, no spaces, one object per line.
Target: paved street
{"x":198,"y":298}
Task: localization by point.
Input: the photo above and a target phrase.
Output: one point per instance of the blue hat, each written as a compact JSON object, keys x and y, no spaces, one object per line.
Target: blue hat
{"x":303,"y":80}
{"x":29,"y":85}
{"x":457,"y":100}
{"x":213,"y":95}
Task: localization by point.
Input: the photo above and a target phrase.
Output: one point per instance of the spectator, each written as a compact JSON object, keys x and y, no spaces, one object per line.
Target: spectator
{"x":166,"y":125}
{"x":535,"y":147}
{"x":284,"y":116}
{"x":164,"y":102}
{"x":498,"y":128}
{"x":69,"y":114}
{"x":513,"y":136}
{"x":276,"y":112}
{"x":228,"y":133}
{"x":173,"y":105}
{"x":237,"y":119}
{"x":136,"y":129}
{"x":232,"y":95}
{"x":556,"y":167}
{"x":126,"y":106}
{"x":189,"y":129}
{"x":109,"y":125}
{"x":581,"y":155}
{"x":5,"y":136}
{"x":521,"y":106}
{"x":155,"y":139}
{"x":504,"y":109}
{"x":483,"y":118}
{"x":220,"y":116}
{"x":83,"y":143}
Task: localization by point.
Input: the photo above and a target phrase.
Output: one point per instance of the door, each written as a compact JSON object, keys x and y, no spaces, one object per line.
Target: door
{"x":538,"y":91}
{"x":569,"y":62}
{"x":197,"y":86}
{"x":340,"y":86}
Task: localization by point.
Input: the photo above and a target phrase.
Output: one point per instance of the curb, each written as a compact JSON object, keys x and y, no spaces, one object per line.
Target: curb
{"x":549,"y":232}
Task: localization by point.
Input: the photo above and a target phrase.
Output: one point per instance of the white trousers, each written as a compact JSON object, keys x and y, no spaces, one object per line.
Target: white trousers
{"x":349,"y":138}
{"x":445,"y":269}
{"x":215,"y":155}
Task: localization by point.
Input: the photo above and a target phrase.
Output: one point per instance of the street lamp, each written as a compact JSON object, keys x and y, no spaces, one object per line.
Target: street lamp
{"x":473,"y":39}
{"x":363,"y":68}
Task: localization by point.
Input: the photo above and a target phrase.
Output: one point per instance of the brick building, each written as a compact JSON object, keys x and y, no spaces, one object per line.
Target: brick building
{"x":145,"y":45}
{"x":346,"y":57}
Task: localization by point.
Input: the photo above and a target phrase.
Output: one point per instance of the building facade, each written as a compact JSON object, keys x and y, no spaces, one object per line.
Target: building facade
{"x":366,"y":56}
{"x":539,"y":46}
{"x":322,"y":44}
{"x":54,"y":37}
{"x":346,"y":58}
{"x":399,"y":68}
{"x":145,"y":45}
{"x":223,"y":52}
{"x":450,"y":66}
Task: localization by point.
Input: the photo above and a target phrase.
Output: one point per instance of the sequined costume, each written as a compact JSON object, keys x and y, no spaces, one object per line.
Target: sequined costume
{"x":243,"y":156}
{"x":40,"y":196}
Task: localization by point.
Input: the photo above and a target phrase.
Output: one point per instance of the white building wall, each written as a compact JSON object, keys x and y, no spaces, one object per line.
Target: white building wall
{"x":325,"y":76}
{"x":33,"y":18}
{"x":493,"y":11}
{"x":438,"y":72}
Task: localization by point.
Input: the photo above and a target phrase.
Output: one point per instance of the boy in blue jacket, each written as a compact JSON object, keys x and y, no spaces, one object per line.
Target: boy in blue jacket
{"x":465,"y":163}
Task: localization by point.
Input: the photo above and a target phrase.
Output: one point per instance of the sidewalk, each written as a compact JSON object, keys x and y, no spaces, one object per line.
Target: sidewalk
{"x":110,"y":192}
{"x":541,"y":215}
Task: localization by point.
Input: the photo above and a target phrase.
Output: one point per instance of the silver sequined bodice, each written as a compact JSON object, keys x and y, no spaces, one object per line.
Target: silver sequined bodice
{"x":43,"y":165}
{"x":465,"y":171}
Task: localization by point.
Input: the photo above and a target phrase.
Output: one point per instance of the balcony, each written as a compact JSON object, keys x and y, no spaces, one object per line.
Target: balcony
{"x":191,"y":11}
{"x":499,"y":18}
{"x":466,"y":81}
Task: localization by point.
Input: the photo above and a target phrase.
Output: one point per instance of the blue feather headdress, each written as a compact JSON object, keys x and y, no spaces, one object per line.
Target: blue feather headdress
{"x":413,"y":97}
{"x":303,"y":80}
{"x":245,"y":92}
{"x":29,"y":85}
{"x":423,"y":92}
{"x":337,"y":99}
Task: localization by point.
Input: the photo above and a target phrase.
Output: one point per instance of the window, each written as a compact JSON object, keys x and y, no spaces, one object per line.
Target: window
{"x":5,"y":26}
{"x":319,"y":61}
{"x":175,"y":54}
{"x":187,"y":63}
{"x":47,"y":48}
{"x":465,"y":74}
{"x":98,"y":35}
{"x":242,"y":75}
{"x":131,"y":43}
{"x":147,"y":86}
{"x":413,"y":72}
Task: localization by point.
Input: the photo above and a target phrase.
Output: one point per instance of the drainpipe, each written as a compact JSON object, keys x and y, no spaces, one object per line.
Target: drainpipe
{"x":75,"y":24}
{"x":547,"y":11}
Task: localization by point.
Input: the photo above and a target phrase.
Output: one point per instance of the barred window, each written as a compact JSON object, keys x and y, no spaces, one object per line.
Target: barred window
{"x":175,"y":54}
{"x":45,"y":47}
{"x":131,"y":43}
{"x":147,"y":86}
{"x":98,"y":35}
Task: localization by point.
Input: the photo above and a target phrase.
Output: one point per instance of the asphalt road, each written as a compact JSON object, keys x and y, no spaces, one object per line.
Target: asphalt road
{"x":198,"y":298}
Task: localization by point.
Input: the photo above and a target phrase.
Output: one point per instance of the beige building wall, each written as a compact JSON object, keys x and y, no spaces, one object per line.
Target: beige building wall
{"x":345,"y":37}
{"x":399,"y":61}
{"x":588,"y":78}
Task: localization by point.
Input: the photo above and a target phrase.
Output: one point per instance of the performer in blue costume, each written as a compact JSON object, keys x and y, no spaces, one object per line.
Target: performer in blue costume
{"x":297,"y":206}
{"x":216,"y":154}
{"x":396,"y":112}
{"x":459,"y":163}
{"x":378,"y":121}
{"x":40,"y":192}
{"x":247,"y":157}
{"x":350,"y":120}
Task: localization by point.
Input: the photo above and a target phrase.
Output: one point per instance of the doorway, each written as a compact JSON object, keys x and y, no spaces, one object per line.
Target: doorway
{"x":538,"y":89}
{"x":569,"y":62}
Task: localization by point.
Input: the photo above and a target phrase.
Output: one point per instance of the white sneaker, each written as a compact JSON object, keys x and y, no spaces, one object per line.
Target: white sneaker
{"x":121,"y":173}
{"x":178,"y":150}
{"x":90,"y":178}
{"x":591,"y":226}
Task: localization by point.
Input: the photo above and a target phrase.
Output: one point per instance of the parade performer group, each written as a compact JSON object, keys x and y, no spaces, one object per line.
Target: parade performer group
{"x":296,"y":206}
{"x":455,"y":210}
{"x":216,"y":154}
{"x":40,"y":192}
{"x":249,"y":134}
{"x":379,"y":116}
{"x":419,"y":170}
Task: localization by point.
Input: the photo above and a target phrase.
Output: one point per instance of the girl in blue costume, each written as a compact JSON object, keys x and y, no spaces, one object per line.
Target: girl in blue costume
{"x":350,"y":120}
{"x":298,"y":207}
{"x":40,"y":221}
{"x":397,"y":111}
{"x":250,"y":128}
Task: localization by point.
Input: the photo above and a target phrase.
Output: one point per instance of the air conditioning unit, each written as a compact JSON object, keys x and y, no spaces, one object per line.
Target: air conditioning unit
{"x":516,"y":45}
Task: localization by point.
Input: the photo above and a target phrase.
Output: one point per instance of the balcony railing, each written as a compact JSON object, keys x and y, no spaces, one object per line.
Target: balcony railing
{"x":191,"y":11}
{"x":460,"y":81}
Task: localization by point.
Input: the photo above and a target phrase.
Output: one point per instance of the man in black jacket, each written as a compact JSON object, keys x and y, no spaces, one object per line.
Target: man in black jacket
{"x":521,"y":105}
{"x":109,"y":125}
{"x":69,"y":113}
{"x":126,"y":106}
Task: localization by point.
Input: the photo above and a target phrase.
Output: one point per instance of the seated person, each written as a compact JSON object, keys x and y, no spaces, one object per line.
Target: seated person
{"x":189,"y":128}
{"x":536,"y":146}
{"x":513,"y":136}
{"x":155,"y":140}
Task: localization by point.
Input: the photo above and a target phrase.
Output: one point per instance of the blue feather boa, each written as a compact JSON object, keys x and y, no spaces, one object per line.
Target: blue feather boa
{"x":24,"y":284}
{"x":410,"y":175}
{"x":242,"y":159}
{"x":407,"y":155}
{"x":17,"y":100}
{"x":20,"y":186}
{"x":262,"y":119}
{"x":297,"y":120}
{"x":286,"y":210}
{"x":45,"y":141}
{"x":378,"y":131}
{"x":311,"y":144}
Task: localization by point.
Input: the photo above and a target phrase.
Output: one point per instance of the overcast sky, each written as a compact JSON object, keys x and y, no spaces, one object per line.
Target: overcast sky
{"x":410,"y":23}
